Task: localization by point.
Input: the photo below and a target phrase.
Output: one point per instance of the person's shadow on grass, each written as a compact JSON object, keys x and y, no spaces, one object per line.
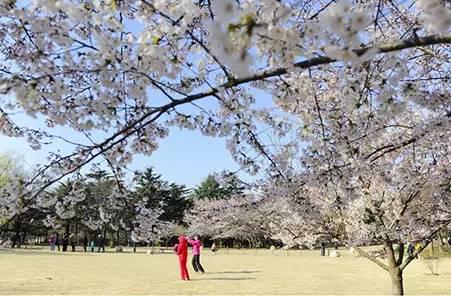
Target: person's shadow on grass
{"x":224,"y":279}
{"x":234,"y":272}
{"x":227,"y":278}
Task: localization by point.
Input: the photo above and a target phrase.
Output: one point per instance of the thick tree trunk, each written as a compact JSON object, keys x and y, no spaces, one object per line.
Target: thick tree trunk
{"x":397,"y":287}
{"x":394,"y":267}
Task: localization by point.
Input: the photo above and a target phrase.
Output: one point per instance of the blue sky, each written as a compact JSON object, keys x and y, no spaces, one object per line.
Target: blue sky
{"x":184,"y":157}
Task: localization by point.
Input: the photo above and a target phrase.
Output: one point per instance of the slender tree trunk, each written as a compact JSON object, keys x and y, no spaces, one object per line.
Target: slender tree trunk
{"x":24,"y":235}
{"x":76,"y":233}
{"x":112,"y":239}
{"x":104,"y":235}
{"x":397,"y":287}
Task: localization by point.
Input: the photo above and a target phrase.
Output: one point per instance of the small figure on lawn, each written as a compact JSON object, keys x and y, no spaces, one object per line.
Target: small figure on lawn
{"x":214,"y":248}
{"x":57,"y":241}
{"x":85,"y":243}
{"x":92,"y":245}
{"x":418,"y":247}
{"x":101,"y":243}
{"x":410,"y":249}
{"x":323,"y":249}
{"x":72,"y":241}
{"x":182,"y":252}
{"x":65,"y":241}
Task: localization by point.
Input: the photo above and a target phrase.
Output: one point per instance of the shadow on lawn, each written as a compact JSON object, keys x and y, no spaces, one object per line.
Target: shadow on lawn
{"x":225,"y":279}
{"x":37,"y":252}
{"x":234,"y":272}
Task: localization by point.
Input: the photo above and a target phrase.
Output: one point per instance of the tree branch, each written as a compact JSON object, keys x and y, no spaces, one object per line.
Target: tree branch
{"x":323,"y":60}
{"x":371,"y":258}
{"x":428,"y":241}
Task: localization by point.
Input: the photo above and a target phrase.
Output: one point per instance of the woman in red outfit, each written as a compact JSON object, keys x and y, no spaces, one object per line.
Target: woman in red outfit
{"x":182,"y":252}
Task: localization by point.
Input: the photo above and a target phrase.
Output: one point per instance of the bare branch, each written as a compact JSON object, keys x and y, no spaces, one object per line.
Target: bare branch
{"x":371,"y":258}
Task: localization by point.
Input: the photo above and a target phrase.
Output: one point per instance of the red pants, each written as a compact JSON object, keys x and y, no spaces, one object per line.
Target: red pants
{"x":182,"y":265}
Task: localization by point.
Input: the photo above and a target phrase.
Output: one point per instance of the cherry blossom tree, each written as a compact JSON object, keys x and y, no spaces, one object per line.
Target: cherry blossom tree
{"x":236,"y":217}
{"x":370,"y":162}
{"x":98,"y":204}
{"x":360,"y":91}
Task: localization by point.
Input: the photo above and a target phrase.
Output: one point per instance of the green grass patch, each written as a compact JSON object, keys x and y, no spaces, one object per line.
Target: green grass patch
{"x":228,"y":272}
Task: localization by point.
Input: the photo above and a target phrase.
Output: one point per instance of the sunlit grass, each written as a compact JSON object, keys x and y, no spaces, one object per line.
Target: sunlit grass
{"x":238,"y":272}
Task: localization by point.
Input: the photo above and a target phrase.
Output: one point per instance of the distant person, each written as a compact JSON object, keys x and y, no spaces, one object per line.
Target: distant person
{"x":101,"y":243}
{"x":323,"y":249}
{"x":410,"y":249}
{"x":52,"y":240}
{"x":182,"y":252}
{"x":417,"y":249}
{"x":85,"y":243}
{"x":449,"y":241}
{"x":14,"y":240}
{"x":92,"y":245}
{"x":65,"y":241}
{"x":214,"y":248}
{"x":197,"y":244}
{"x":57,"y":241}
{"x":131,"y":242}
{"x":72,"y":241}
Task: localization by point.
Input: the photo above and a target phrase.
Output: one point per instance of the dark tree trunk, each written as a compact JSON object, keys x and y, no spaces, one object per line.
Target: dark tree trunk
{"x":112,"y":239}
{"x":76,"y":233}
{"x":24,"y":235}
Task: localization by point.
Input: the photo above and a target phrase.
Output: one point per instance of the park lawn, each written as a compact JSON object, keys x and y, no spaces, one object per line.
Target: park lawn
{"x":238,"y":272}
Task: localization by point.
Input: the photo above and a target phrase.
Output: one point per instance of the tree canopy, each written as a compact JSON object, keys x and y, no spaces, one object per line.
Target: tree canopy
{"x":355,"y":144}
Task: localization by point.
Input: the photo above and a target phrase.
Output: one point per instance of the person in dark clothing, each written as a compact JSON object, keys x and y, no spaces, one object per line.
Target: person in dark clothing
{"x":85,"y":242}
{"x":101,"y":243}
{"x":410,"y":249}
{"x":14,"y":240}
{"x":72,"y":241}
{"x":65,"y":241}
{"x":57,"y":241}
{"x":323,"y":249}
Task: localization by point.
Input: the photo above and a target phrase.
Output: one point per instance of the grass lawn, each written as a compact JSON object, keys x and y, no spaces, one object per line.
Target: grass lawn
{"x":238,"y":272}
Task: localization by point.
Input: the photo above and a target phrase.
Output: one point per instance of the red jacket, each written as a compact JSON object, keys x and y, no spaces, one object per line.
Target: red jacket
{"x":182,"y":248}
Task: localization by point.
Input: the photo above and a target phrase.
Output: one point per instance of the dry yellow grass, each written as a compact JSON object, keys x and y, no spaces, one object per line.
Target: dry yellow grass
{"x":238,"y":272}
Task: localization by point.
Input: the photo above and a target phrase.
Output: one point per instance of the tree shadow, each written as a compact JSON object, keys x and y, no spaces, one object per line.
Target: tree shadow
{"x":234,"y":272}
{"x":225,"y":279}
